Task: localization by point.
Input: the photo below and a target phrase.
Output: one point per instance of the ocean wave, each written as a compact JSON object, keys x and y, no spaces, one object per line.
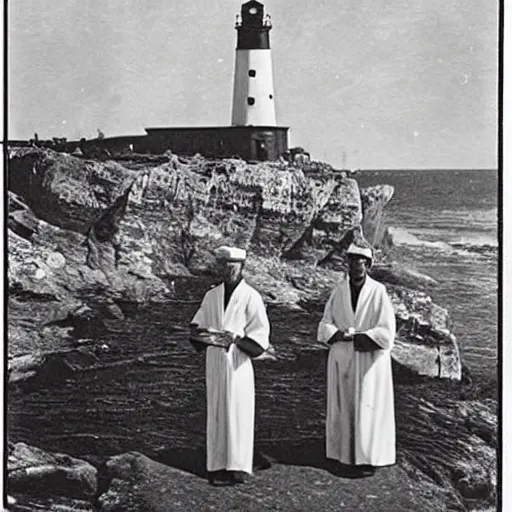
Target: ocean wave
{"x":401,"y":236}
{"x":476,"y":243}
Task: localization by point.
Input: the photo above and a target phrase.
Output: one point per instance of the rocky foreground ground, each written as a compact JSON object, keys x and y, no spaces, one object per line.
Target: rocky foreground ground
{"x":104,"y":257}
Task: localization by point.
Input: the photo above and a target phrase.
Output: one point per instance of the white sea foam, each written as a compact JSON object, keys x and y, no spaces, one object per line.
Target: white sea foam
{"x":401,"y":236}
{"x":466,"y":245}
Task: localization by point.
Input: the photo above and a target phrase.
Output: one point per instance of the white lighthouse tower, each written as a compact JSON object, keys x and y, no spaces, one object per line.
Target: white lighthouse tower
{"x":253,"y":88}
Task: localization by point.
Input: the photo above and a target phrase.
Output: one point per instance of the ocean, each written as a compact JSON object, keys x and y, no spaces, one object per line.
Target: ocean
{"x":444,"y":223}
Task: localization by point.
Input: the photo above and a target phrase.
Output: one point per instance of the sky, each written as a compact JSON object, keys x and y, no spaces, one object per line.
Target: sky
{"x":381,"y":84}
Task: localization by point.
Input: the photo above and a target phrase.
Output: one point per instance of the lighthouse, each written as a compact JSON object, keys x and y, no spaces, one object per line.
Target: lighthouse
{"x":253,"y":134}
{"x":253,"y":87}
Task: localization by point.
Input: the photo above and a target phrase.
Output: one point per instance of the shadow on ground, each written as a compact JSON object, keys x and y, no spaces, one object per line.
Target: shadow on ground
{"x":310,"y":453}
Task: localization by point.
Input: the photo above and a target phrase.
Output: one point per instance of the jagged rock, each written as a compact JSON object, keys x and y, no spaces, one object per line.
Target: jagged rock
{"x":20,"y":218}
{"x":374,"y":199}
{"x":66,"y":191}
{"x":424,"y":343}
{"x":166,"y":220}
{"x":49,"y":366}
{"x":173,"y":214}
{"x":204,"y":203}
{"x":28,"y":273}
{"x":398,"y":275}
{"x":35,"y":471}
{"x":37,"y":270}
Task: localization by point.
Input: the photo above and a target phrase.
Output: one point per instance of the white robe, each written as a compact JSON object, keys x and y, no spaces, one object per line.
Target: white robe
{"x":360,"y":423}
{"x":230,"y":376}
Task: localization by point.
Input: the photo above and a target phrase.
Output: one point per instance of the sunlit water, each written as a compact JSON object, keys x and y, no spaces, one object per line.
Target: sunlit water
{"x":444,"y":223}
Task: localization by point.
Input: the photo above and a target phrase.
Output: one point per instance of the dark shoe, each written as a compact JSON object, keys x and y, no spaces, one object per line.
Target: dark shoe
{"x":350,"y":471}
{"x":342,"y":470}
{"x":237,"y":477}
{"x":218,"y":477}
{"x":366,"y":470}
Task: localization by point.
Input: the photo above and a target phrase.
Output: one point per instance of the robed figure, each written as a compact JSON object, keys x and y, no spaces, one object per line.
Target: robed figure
{"x":359,"y":325}
{"x":233,"y":318}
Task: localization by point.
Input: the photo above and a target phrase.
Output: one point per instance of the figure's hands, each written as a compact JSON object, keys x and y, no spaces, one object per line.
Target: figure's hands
{"x":223,"y":339}
{"x":202,"y":334}
{"x":363,"y":343}
{"x":228,"y":338}
{"x":345,"y":337}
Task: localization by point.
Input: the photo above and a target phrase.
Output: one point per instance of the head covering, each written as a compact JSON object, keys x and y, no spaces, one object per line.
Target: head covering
{"x":230,"y":253}
{"x":361,"y":249}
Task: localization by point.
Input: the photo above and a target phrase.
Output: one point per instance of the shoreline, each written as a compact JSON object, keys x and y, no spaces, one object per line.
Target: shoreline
{"x":87,"y":305}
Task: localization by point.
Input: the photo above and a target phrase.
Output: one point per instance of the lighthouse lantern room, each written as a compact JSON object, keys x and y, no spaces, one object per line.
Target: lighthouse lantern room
{"x":253,"y":88}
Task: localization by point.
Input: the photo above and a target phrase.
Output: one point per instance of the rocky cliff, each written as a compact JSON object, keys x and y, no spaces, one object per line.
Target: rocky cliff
{"x":90,"y":241}
{"x":125,"y":232}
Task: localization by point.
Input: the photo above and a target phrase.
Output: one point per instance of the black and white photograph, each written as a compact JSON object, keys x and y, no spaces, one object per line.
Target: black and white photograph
{"x":252,"y":256}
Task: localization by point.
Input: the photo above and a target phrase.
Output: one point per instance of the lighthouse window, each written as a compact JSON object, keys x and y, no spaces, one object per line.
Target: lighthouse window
{"x":252,"y":72}
{"x":250,"y":100}
{"x":270,"y":96}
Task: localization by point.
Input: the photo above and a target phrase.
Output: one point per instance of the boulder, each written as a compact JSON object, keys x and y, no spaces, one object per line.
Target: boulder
{"x":35,"y":471}
{"x":424,"y":343}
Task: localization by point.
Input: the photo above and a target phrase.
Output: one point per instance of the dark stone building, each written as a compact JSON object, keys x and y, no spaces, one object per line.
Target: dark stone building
{"x":247,"y":142}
